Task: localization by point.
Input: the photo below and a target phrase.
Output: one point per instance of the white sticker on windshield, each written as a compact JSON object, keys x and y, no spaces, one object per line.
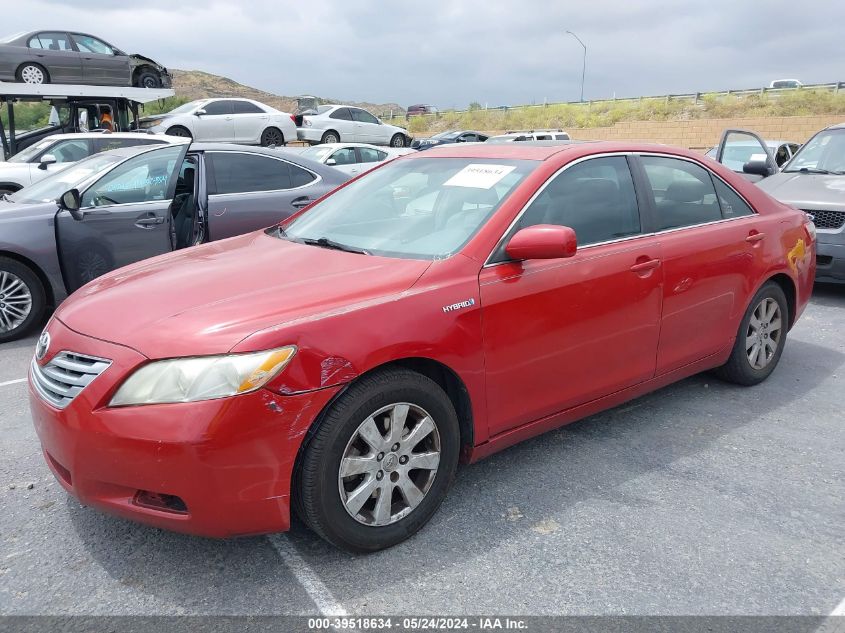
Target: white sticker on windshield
{"x":480,"y":176}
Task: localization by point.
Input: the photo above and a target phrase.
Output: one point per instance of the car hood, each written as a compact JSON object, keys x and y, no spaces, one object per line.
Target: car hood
{"x":10,"y":211}
{"x":205,"y":300}
{"x":806,"y":191}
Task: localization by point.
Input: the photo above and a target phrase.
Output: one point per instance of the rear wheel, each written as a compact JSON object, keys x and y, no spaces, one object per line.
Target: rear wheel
{"x":380,"y":463}
{"x":272,"y":136}
{"x":178,"y":130}
{"x":31,"y":73}
{"x":760,"y":339}
{"x":330,"y":137}
{"x":22,"y":299}
{"x":398,"y":140}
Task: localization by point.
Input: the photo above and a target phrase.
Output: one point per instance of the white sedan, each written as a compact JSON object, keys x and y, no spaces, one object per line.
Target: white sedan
{"x":336,"y":123}
{"x":352,"y":158}
{"x":241,"y":121}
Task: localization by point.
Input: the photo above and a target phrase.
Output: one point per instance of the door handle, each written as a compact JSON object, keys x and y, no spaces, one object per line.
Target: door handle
{"x":298,"y":203}
{"x":149,"y":220}
{"x":755,"y":237}
{"x":645,"y":266}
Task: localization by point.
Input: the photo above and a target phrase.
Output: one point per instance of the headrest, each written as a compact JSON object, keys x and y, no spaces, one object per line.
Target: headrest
{"x":686,"y":191}
{"x":188,"y":176}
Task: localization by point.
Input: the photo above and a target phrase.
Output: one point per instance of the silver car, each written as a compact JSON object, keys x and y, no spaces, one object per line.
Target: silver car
{"x":58,"y":151}
{"x":226,"y":121}
{"x":352,"y":158}
{"x":336,"y":123}
{"x":122,"y":206}
{"x":63,"y":57}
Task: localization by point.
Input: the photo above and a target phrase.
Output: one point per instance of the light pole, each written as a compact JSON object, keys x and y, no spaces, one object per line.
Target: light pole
{"x":584,"y":67}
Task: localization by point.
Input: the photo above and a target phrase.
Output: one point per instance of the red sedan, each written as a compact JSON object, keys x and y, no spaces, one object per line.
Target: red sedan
{"x":442,"y":307}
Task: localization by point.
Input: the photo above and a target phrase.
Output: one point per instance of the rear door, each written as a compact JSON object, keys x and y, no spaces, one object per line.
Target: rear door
{"x":746,"y":153}
{"x":125,"y":217}
{"x":101,"y":63}
{"x":711,"y":245}
{"x":216,"y":123}
{"x":54,"y":51}
{"x":249,"y":122}
{"x":251,"y":191}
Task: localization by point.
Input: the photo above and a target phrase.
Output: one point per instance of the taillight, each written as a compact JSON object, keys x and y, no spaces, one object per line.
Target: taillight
{"x":293,"y":118}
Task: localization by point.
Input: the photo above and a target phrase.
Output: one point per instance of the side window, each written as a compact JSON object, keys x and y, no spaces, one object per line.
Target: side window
{"x":732,"y":205}
{"x":54,"y":41}
{"x":683,"y":192}
{"x":143,"y":178}
{"x":595,"y":197}
{"x":34,"y":42}
{"x":469,"y":138}
{"x":105,"y":143}
{"x":342,"y":114}
{"x":345,"y":156}
{"x":245,"y":107}
{"x":363,"y":116}
{"x":88,"y":44}
{"x":218,"y":107}
{"x":793,"y":147}
{"x":561,"y":137}
{"x":300,"y":177}
{"x":482,"y":138}
{"x":70,"y":151}
{"x":370,"y":155}
{"x":242,"y":173}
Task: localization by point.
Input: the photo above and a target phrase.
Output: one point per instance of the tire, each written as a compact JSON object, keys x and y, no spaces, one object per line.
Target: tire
{"x":32,"y":73}
{"x":19,"y":283}
{"x":179,"y":130}
{"x":758,"y":331}
{"x":272,"y":136}
{"x":318,"y":484}
{"x":397,"y":140}
{"x":148,"y":79}
{"x":330,"y":137}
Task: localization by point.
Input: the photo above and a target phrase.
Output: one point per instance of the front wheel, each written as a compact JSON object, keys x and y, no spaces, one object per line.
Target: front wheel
{"x":22,"y":299}
{"x":398,"y":140}
{"x":760,"y":339}
{"x":380,"y":463}
{"x":149,"y":79}
{"x":272,"y":137}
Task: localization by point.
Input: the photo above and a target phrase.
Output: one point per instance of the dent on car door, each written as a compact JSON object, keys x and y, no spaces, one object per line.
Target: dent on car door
{"x":561,"y":332}
{"x":746,"y":153}
{"x":707,"y":260}
{"x":247,"y":192}
{"x":124,"y":217}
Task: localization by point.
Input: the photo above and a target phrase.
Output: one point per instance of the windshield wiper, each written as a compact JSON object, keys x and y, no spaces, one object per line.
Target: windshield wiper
{"x":808,"y":170}
{"x":325,"y":242}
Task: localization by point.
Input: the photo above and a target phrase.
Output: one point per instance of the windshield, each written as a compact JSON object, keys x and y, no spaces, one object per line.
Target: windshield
{"x":825,"y":152}
{"x":55,"y":185}
{"x":446,"y":135}
{"x":317,"y":153}
{"x":425,"y":208}
{"x":187,"y":107}
{"x":24,"y":156}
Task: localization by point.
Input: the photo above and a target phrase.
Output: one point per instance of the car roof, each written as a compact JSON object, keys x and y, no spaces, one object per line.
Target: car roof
{"x":337,"y":145}
{"x":72,"y":135}
{"x":277,"y":152}
{"x":836,"y":126}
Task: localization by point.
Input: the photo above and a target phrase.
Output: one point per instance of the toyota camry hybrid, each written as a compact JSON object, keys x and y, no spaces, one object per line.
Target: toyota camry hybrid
{"x":343,"y":362}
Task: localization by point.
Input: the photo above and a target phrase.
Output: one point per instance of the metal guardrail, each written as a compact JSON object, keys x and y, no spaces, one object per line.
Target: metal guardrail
{"x":695,"y":97}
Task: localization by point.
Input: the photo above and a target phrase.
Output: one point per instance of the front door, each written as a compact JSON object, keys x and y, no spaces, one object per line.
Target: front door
{"x":101,"y":63}
{"x":368,"y":128}
{"x":215,"y":123}
{"x":562,"y":332}
{"x":746,"y":153}
{"x":125,"y":217}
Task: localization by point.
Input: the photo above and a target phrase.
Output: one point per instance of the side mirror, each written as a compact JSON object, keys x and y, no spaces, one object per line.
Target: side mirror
{"x":542,"y":241}
{"x":331,"y":161}
{"x":47,"y":159}
{"x":757,"y":167}
{"x":200,"y":112}
{"x":71,"y":201}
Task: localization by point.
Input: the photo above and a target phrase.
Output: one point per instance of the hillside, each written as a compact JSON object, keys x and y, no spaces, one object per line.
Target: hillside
{"x":195,"y":84}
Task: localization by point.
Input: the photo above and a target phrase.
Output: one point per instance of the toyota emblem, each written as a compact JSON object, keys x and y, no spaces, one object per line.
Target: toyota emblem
{"x":42,"y":345}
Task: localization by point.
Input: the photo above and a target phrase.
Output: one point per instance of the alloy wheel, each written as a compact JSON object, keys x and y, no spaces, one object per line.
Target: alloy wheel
{"x":15,"y":301}
{"x":389,"y":464}
{"x":764,"y":333}
{"x":32,"y":75}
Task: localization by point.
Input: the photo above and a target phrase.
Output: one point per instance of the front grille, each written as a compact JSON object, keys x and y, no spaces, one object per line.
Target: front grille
{"x":65,"y":376}
{"x":827,"y":219}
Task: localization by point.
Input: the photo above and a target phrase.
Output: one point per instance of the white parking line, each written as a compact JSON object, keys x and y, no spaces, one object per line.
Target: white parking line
{"x":314,"y":587}
{"x":12,"y":382}
{"x":840,"y":609}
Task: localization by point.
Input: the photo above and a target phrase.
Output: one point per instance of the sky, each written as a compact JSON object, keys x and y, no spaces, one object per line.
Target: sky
{"x":452,"y":53}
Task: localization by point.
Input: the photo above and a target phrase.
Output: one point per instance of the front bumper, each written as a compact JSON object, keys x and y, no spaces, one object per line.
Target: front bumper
{"x":309,"y":134}
{"x":830,"y":260}
{"x":229,"y":461}
{"x":166,"y":80}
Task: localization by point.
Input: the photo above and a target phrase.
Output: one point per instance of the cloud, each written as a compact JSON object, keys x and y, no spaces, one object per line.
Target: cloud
{"x":452,"y":53}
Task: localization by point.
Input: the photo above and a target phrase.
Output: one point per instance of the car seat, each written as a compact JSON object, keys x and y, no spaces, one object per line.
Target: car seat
{"x":683,"y":204}
{"x":183,"y":211}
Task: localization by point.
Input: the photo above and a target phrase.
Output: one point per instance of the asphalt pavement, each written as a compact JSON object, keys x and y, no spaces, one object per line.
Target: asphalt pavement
{"x":701,"y":498}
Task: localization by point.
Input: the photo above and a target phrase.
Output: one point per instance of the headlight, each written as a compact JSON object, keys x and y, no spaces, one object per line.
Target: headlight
{"x":201,"y":377}
{"x":153,"y":123}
